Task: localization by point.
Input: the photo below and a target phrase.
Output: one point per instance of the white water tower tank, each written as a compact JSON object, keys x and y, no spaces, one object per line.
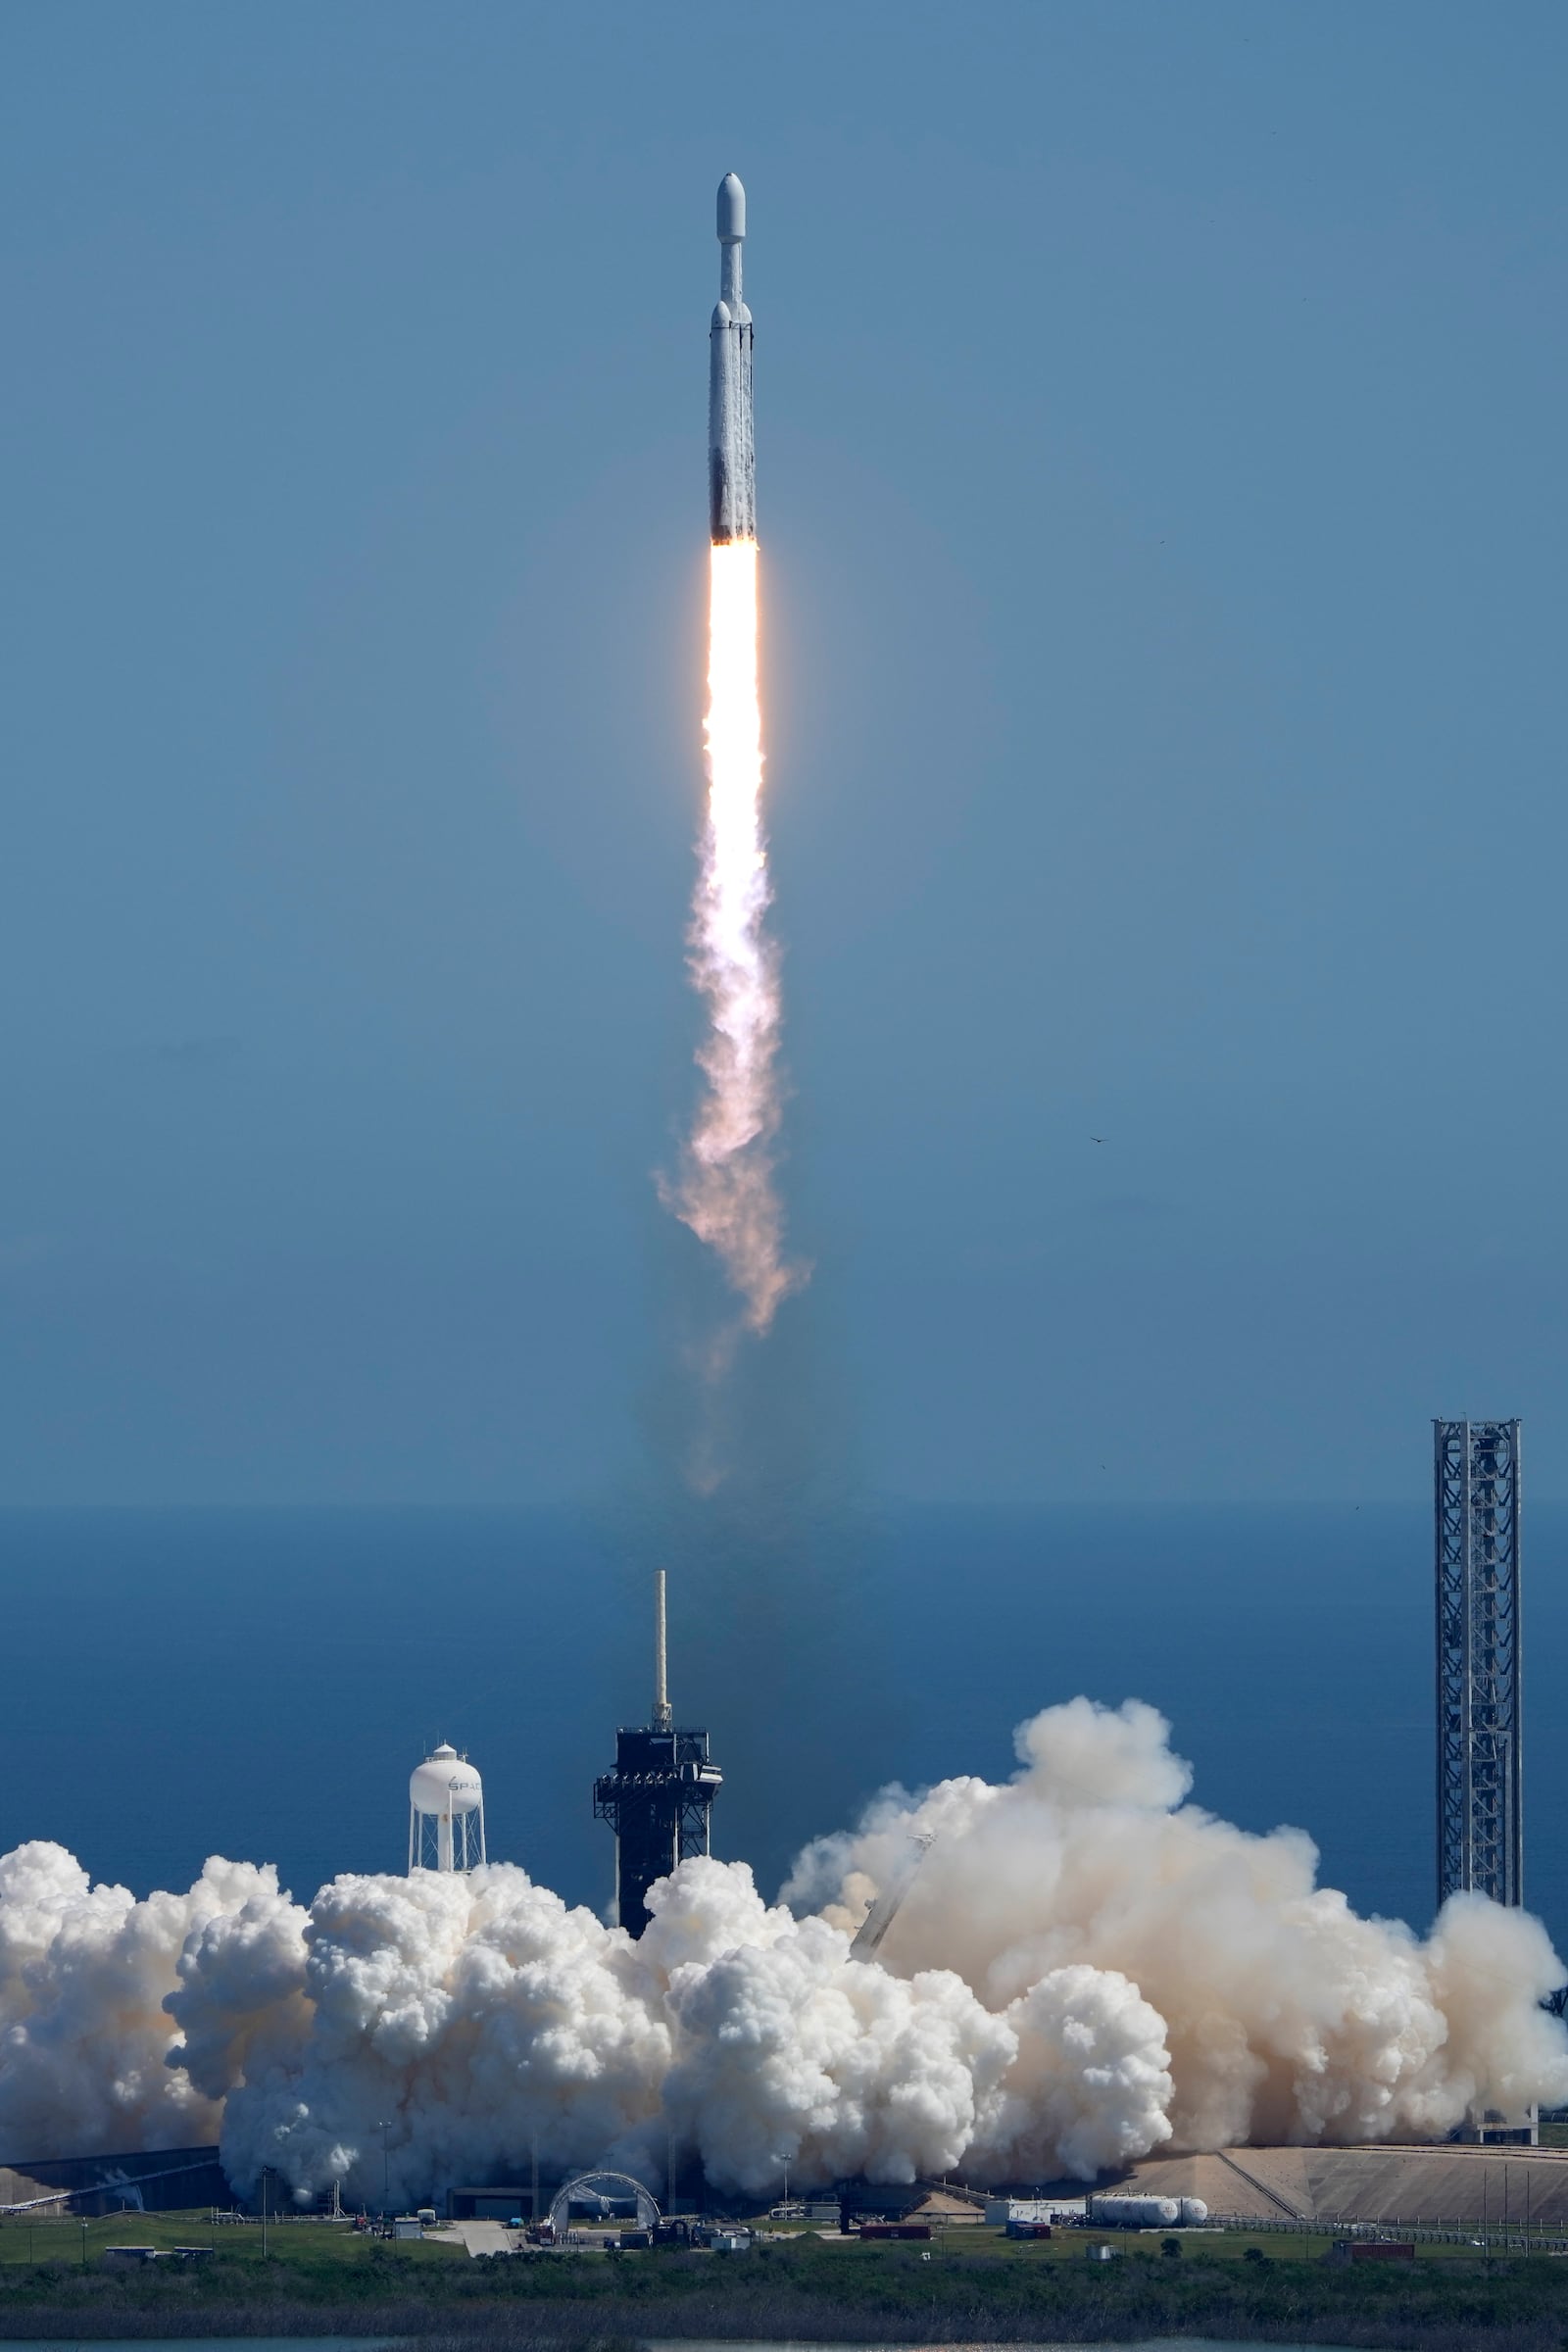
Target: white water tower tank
{"x":446,"y":1813}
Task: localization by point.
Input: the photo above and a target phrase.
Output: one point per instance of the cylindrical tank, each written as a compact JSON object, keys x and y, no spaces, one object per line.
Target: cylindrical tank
{"x":1135,"y":2213}
{"x":1193,"y":2211}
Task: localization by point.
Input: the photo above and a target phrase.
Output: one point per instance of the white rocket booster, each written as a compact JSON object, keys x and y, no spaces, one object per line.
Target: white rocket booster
{"x":731,"y":448}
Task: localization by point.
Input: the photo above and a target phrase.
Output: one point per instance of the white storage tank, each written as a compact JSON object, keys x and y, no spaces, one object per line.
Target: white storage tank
{"x":1136,"y":2213}
{"x":446,"y":1813}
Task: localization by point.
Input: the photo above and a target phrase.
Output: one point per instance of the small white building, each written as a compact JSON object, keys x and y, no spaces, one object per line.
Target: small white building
{"x":1003,"y":2210}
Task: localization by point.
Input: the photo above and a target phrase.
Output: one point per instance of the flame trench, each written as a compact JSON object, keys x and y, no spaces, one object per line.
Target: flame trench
{"x":726,"y":1192}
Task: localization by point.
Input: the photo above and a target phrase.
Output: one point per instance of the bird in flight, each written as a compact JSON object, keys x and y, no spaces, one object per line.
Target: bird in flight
{"x":1097,"y":1139}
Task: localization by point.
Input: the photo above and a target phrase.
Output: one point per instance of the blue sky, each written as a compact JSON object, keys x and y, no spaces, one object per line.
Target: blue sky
{"x":1162,"y":504}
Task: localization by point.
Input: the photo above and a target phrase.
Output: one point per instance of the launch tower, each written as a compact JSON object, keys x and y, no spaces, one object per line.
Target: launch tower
{"x":659,"y":1795}
{"x":1480,"y":1773}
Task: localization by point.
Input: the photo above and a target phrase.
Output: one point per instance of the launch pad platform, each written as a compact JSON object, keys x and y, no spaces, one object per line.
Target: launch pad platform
{"x":1432,"y":2187}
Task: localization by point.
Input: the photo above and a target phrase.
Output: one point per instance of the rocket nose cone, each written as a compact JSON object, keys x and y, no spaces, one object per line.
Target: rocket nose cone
{"x":731,"y":210}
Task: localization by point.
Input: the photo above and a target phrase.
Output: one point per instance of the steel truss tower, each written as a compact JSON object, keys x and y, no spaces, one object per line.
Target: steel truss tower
{"x":1479,"y":1767}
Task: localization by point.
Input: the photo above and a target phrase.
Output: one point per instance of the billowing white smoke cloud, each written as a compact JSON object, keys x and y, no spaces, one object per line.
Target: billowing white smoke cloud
{"x":1091,"y":2084}
{"x":483,"y":2019}
{"x":1085,"y":1968}
{"x":1286,"y":2017}
{"x":470,"y":2015}
{"x":87,"y":2052}
{"x":785,"y":2046}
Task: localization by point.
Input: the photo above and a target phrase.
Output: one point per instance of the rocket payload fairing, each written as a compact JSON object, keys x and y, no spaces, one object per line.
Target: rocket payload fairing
{"x":731,"y":446}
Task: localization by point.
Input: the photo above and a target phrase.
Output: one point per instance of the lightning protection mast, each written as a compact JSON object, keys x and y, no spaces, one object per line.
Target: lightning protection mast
{"x":1480,"y":1764}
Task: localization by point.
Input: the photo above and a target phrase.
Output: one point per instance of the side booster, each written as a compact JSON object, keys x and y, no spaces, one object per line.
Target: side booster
{"x":731,"y":446}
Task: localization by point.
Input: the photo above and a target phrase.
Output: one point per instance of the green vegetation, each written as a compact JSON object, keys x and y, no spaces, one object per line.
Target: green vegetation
{"x":309,"y":2251}
{"x":970,"y":2286}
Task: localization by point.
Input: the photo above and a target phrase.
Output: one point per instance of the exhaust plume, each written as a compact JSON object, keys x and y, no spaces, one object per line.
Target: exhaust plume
{"x":1085,"y":1968}
{"x":725,"y":1189}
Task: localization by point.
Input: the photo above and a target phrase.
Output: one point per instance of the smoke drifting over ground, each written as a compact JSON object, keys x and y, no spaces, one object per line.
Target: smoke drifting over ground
{"x":1085,"y":1968}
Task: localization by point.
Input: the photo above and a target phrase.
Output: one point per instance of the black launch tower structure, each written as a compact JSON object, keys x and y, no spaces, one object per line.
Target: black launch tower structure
{"x":659,"y":1795}
{"x":1480,"y":1657}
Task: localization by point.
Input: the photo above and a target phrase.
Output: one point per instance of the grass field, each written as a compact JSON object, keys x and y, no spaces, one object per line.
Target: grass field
{"x":969,"y":2286}
{"x":325,"y":2250}
{"x":311,"y":2249}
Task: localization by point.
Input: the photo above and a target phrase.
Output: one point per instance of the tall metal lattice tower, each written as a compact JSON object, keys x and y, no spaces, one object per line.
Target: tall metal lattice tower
{"x":1480,"y":1766}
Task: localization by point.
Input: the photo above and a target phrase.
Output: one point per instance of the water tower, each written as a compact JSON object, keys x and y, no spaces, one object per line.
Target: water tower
{"x":446,"y":1813}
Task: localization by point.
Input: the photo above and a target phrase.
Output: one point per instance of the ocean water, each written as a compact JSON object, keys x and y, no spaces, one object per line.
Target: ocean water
{"x":259,"y":1683}
{"x":1151,"y":2343}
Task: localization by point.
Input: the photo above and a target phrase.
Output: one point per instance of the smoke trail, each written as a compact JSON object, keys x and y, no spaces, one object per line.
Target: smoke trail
{"x":725,"y":1191}
{"x":1085,"y":1968}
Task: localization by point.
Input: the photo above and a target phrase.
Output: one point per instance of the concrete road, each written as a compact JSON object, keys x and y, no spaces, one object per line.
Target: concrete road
{"x":480,"y":2237}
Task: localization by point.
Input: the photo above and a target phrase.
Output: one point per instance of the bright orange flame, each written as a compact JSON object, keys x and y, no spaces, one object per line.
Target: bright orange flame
{"x":727,"y":1192}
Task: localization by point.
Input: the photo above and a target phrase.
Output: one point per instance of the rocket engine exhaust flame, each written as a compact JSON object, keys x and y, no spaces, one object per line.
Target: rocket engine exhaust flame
{"x":725,"y":1191}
